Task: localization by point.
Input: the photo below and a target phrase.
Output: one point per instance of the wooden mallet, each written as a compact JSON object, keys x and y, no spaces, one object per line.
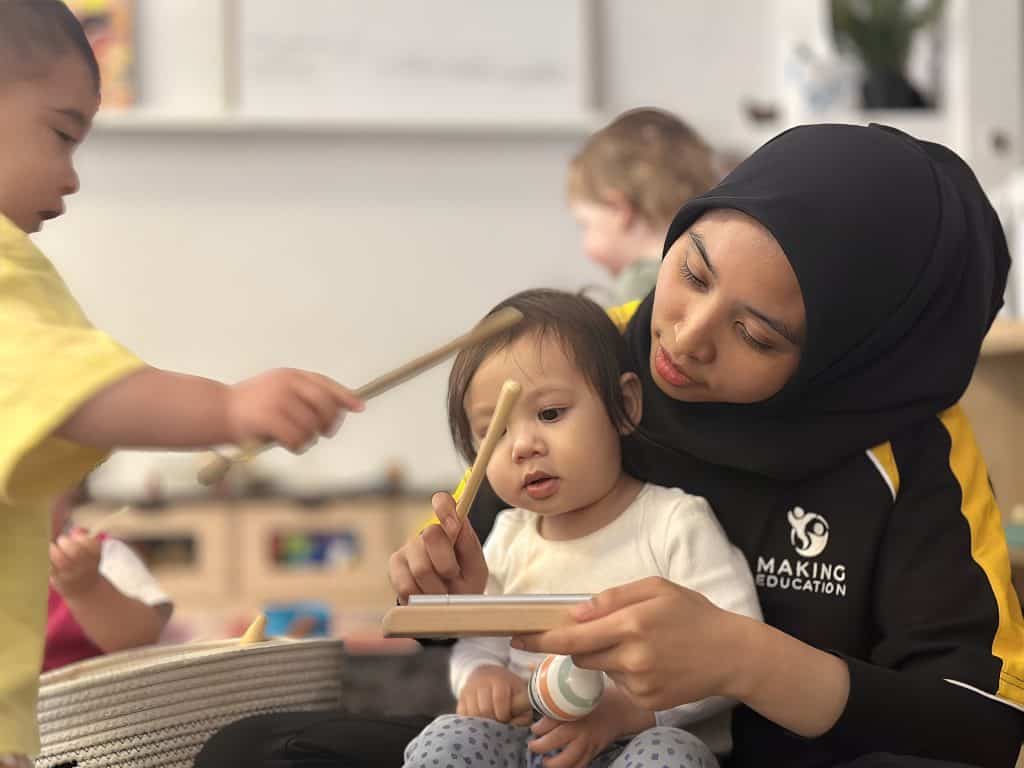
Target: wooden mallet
{"x":105,"y":522}
{"x":217,"y":468}
{"x":510,"y":391}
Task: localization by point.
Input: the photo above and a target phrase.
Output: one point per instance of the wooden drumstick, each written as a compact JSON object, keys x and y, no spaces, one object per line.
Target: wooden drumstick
{"x":509,"y":394}
{"x":257,"y":631}
{"x":105,"y":521}
{"x":216,"y":469}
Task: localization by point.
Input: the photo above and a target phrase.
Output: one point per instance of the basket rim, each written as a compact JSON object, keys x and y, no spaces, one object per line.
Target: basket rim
{"x":102,"y":669}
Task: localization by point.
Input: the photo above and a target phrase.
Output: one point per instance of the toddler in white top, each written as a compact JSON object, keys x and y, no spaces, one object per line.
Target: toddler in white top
{"x":578,"y":524}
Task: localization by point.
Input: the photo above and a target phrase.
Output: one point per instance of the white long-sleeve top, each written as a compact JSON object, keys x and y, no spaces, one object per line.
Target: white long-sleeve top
{"x":664,"y":532}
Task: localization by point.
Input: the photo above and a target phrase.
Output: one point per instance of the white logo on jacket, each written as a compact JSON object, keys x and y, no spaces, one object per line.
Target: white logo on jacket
{"x":808,"y":535}
{"x":810,"y":532}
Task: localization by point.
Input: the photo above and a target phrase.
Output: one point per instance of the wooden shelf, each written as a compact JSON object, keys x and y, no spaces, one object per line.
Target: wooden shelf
{"x":1005,"y":338}
{"x":927,"y":124}
{"x":1017,"y":557}
{"x":234,"y":567}
{"x":155,"y":122}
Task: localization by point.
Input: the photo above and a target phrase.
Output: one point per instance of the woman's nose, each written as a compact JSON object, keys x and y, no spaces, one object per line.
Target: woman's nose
{"x":693,"y":337}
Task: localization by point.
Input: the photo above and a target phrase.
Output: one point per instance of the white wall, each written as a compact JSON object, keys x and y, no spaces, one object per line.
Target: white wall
{"x":223,"y":253}
{"x":698,"y":58}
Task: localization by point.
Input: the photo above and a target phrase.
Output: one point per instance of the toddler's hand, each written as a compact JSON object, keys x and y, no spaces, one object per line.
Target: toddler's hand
{"x":580,"y":741}
{"x":75,"y":563}
{"x":444,"y":558}
{"x":497,"y":694}
{"x":288,"y":406}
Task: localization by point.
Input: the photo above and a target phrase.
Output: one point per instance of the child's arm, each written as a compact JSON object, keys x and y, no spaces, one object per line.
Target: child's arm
{"x":112,"y":620}
{"x":152,"y":408}
{"x":470,"y":653}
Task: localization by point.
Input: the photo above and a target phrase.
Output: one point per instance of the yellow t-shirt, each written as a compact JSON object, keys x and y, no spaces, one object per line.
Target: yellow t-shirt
{"x":51,"y":361}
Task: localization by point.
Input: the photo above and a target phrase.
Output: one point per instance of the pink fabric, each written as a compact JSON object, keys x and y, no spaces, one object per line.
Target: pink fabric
{"x":66,"y":641}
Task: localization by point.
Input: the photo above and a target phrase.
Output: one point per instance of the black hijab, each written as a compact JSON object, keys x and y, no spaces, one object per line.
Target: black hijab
{"x":902,"y":264}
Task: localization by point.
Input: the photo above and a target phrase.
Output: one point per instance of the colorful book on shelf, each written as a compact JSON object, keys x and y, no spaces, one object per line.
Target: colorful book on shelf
{"x":110,"y":27}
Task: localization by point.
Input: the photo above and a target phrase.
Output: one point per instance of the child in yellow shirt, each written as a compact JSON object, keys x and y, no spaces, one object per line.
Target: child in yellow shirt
{"x":68,"y":392}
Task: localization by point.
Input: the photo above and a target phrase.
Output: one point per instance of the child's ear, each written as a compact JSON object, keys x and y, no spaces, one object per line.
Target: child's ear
{"x":632,"y":397}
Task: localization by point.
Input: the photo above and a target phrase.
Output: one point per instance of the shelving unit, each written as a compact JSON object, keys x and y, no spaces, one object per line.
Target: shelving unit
{"x":1005,"y":338}
{"x":994,"y":402}
{"x":156,"y":122}
{"x":232,"y":573}
{"x":927,"y":124}
{"x":201,"y":534}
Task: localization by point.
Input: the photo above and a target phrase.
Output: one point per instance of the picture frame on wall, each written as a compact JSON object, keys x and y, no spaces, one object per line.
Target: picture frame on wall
{"x":448,"y":59}
{"x":110,"y":26}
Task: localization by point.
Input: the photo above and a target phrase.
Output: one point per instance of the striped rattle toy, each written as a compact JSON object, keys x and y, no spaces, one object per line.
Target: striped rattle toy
{"x":563,"y":691}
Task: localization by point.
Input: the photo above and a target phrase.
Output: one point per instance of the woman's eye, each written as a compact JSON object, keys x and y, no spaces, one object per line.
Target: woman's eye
{"x":690,"y":277}
{"x":550,"y":414}
{"x":760,"y":346}
{"x":65,"y":137}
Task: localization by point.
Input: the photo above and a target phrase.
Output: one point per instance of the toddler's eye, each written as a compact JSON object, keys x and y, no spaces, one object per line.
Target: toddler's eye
{"x":550,"y":414}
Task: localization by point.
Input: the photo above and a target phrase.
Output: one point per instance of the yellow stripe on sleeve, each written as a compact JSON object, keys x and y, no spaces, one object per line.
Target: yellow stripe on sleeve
{"x":621,"y":314}
{"x":989,"y":550}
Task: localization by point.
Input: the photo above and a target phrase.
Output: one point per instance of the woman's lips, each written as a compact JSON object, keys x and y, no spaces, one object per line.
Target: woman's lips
{"x":668,"y":371}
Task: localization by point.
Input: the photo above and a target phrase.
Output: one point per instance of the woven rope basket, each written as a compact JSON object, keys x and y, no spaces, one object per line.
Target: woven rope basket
{"x":157,"y":706}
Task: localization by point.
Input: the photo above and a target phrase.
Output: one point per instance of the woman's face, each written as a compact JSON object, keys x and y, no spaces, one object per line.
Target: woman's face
{"x":728,"y":321}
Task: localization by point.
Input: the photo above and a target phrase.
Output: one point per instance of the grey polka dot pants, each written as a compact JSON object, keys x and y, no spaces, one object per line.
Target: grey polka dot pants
{"x":453,"y":741}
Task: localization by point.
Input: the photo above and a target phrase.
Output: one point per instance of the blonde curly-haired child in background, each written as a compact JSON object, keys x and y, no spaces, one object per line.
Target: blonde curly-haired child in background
{"x":624,"y":186}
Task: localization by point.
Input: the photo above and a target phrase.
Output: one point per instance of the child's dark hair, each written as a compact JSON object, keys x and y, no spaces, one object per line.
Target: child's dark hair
{"x":587,"y":335}
{"x":34,"y":33}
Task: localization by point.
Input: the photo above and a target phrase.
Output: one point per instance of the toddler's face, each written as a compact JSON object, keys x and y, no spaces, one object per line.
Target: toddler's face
{"x":45,"y":119}
{"x":561,"y":453}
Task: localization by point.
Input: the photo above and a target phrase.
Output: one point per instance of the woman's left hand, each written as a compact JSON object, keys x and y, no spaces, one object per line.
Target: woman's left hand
{"x":664,"y":645}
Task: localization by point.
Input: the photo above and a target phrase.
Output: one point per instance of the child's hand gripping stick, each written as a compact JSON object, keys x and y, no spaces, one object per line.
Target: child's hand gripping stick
{"x":217,"y":468}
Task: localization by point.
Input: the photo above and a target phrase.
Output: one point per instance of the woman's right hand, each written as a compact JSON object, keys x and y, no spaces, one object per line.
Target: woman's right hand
{"x":444,"y":558}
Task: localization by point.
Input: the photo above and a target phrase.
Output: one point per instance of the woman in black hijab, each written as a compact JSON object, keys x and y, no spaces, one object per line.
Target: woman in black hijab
{"x":816,"y":319}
